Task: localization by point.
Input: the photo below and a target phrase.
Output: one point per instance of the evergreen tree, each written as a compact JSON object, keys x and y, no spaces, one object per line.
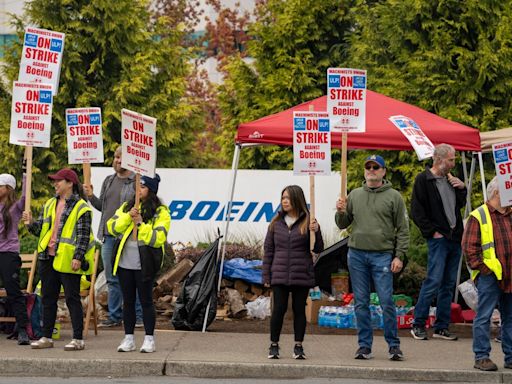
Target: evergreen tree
{"x":114,"y":57}
{"x":292,"y":43}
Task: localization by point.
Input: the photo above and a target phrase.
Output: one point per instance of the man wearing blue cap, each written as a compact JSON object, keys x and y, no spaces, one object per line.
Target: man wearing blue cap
{"x":378,"y":241}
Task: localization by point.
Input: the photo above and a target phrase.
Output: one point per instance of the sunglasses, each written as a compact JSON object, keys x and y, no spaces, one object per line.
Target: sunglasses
{"x":374,"y":167}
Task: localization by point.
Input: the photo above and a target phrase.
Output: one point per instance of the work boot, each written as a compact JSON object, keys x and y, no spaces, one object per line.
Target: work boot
{"x":485,"y":364}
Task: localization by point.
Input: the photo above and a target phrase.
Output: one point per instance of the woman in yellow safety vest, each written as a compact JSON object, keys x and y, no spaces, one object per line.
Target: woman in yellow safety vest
{"x":65,"y":252}
{"x":137,"y":262}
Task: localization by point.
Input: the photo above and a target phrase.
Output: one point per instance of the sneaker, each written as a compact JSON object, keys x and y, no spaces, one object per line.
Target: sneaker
{"x":109,"y":323}
{"x":485,"y":365}
{"x":23,"y":338}
{"x":127,"y":345}
{"x":42,"y":343}
{"x":363,"y":353}
{"x":298,"y":352}
{"x":395,"y":353}
{"x":139,"y":324}
{"x":273,"y":351}
{"x":419,"y":333}
{"x":444,"y":334}
{"x":148,"y":345}
{"x":75,"y":345}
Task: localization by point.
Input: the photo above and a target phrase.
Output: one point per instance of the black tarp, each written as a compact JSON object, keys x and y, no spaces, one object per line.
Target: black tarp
{"x":199,"y":289}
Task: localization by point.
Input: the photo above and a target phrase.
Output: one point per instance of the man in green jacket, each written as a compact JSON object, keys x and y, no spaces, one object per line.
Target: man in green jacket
{"x":379,"y":239}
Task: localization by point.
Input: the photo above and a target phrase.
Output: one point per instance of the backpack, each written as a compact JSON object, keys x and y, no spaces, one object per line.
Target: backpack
{"x":34,"y":314}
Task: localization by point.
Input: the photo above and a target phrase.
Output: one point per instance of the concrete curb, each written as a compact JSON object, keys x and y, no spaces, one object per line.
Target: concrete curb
{"x":48,"y":367}
{"x":247,"y":370}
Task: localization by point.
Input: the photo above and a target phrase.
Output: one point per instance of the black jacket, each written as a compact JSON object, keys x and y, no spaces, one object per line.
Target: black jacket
{"x":427,"y":210}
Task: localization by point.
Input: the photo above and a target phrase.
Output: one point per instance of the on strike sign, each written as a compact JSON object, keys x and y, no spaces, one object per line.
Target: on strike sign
{"x":41,"y":57}
{"x":138,"y":142}
{"x":311,"y":143}
{"x":412,"y":131}
{"x":503,"y":162}
{"x":346,"y":99}
{"x":85,"y":137}
{"x":31,"y":114}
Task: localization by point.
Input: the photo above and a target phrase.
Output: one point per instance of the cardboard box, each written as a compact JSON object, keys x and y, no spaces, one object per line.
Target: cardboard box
{"x":313,"y":306}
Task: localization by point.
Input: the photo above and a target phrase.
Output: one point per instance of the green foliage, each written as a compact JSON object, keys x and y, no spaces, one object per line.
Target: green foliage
{"x":292,"y":46}
{"x":114,"y":57}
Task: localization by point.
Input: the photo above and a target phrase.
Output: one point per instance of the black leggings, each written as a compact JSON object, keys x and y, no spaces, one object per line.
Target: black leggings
{"x":299,"y":297}
{"x":10,"y":264}
{"x":131,"y":282}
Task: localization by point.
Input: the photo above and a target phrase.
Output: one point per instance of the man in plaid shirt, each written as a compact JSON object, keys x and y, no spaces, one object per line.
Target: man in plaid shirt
{"x":489,"y":256}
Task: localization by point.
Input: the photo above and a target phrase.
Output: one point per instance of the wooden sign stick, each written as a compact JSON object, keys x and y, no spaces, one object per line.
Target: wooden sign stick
{"x":28,"y":180}
{"x":344,"y":164}
{"x":312,"y":207}
{"x":86,"y":168}
{"x":137,"y":201}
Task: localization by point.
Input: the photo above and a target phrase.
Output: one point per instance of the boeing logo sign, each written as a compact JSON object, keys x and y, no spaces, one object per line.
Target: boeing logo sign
{"x":197,"y":199}
{"x":214,"y":210}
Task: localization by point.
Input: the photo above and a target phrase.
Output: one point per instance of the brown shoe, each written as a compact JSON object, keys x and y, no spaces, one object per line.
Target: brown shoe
{"x":485,"y":365}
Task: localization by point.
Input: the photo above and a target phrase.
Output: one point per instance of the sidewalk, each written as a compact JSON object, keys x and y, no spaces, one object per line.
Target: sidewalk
{"x":245,"y":355}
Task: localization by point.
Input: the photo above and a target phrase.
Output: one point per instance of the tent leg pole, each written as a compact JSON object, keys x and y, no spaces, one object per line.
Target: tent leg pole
{"x":222,"y":248}
{"x":482,"y":175}
{"x":470,"y":186}
{"x":206,"y":315}
{"x":464,"y":168}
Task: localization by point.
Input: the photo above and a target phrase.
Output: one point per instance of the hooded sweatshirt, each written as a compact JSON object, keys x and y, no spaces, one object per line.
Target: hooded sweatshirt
{"x":378,"y":218}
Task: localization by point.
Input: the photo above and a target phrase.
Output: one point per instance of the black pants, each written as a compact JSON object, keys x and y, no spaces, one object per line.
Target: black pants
{"x":51,"y":280}
{"x":131,"y":283}
{"x":299,"y":297}
{"x":10,"y":266}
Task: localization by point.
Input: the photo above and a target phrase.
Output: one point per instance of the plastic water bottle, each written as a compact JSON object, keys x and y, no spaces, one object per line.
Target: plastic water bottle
{"x":321,"y":316}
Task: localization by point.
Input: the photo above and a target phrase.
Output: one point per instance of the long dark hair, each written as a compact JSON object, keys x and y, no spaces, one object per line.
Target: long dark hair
{"x":298,"y":203}
{"x":78,"y":189}
{"x":6,"y":214}
{"x":148,"y":206}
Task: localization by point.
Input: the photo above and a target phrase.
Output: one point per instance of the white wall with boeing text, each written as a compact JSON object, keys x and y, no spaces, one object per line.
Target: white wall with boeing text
{"x":197,"y":199}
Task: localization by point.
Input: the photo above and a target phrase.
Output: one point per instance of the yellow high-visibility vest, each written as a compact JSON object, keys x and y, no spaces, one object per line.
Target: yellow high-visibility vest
{"x":67,"y":242}
{"x":487,"y":237}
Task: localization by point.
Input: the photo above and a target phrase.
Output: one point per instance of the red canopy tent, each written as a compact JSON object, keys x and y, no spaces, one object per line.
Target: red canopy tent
{"x":380,"y":132}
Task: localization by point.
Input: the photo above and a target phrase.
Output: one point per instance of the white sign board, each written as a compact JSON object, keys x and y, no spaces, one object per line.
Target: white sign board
{"x":311,"y":143}
{"x":346,"y":99}
{"x":502,"y":153}
{"x":85,"y":136}
{"x":31,"y":114}
{"x":412,"y":131}
{"x":41,"y":57}
{"x":197,"y":200}
{"x":138,"y":141}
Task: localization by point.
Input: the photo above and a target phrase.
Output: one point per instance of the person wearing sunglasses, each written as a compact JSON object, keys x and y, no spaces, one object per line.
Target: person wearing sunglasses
{"x":379,"y":240}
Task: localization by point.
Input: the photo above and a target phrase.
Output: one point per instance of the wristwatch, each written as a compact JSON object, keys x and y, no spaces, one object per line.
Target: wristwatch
{"x":138,"y":225}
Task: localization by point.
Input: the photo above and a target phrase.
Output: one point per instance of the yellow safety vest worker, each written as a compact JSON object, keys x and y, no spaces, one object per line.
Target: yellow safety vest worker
{"x":487,"y":238}
{"x":67,"y":241}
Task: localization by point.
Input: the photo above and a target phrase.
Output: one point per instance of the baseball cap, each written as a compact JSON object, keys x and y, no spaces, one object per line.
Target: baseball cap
{"x":65,"y":174}
{"x":376,"y":159}
{"x":6,"y":179}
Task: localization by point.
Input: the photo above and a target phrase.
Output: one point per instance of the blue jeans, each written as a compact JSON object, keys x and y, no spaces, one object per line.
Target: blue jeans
{"x":364,"y":266}
{"x":442,"y":267}
{"x":489,"y":295}
{"x":115,"y":297}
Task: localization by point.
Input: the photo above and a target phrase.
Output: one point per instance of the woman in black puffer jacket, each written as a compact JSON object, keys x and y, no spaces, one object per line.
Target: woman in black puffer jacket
{"x":288,"y":265}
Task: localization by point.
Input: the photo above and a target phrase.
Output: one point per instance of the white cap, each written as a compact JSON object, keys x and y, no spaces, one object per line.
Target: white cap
{"x":6,"y":179}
